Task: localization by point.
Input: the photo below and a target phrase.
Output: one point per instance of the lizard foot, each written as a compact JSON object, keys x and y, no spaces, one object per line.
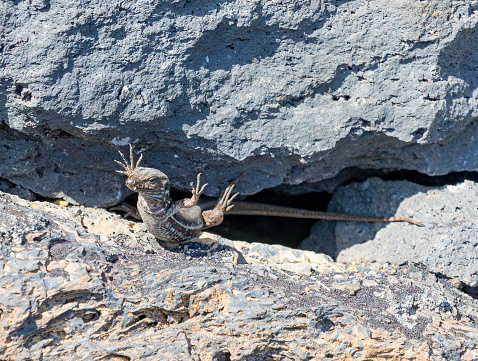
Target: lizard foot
{"x":225,"y":200}
{"x":215,"y":216}
{"x":196,"y":193}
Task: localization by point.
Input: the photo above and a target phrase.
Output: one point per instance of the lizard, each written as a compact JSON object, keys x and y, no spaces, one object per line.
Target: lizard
{"x":171,"y":221}
{"x":179,"y":221}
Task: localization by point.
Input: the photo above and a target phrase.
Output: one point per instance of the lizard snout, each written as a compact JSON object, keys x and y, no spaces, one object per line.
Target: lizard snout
{"x":131,"y":184}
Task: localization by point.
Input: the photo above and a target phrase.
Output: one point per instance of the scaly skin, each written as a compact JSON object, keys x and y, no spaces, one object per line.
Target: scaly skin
{"x":168,"y":220}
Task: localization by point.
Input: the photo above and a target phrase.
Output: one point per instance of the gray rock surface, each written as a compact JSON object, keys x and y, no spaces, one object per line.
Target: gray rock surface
{"x":447,"y":244}
{"x":281,"y":91}
{"x":79,"y":283}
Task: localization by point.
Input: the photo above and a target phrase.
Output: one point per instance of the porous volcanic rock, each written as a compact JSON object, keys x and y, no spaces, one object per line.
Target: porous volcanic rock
{"x":446,"y":245}
{"x":284,"y":92}
{"x":79,"y":283}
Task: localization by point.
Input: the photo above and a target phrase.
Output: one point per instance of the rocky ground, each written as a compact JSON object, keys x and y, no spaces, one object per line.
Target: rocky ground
{"x":83,"y":283}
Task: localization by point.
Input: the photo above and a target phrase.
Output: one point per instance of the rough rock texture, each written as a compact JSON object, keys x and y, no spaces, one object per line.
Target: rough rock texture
{"x":447,"y":245}
{"x":83,"y":284}
{"x":283,"y":91}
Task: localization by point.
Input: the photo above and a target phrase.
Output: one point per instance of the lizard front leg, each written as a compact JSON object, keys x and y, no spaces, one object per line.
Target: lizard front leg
{"x":215,"y":216}
{"x":190,"y":202}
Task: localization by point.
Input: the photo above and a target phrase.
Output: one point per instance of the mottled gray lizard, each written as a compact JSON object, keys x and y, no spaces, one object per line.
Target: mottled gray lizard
{"x":179,"y":221}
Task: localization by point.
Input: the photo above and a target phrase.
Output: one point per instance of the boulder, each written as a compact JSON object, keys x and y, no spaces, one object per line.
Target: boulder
{"x":284,"y":92}
{"x":447,"y":244}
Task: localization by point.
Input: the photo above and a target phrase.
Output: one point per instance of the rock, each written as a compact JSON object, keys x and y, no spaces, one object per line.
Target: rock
{"x":284,"y":258}
{"x":447,"y":244}
{"x":352,"y":288}
{"x":321,"y":238}
{"x":283,"y":92}
{"x":81,"y":283}
{"x":8,"y":187}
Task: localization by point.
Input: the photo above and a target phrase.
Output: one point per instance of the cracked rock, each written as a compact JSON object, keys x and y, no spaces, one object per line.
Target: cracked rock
{"x":69,"y":292}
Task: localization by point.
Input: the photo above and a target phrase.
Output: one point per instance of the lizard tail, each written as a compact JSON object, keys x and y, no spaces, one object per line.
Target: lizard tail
{"x":401,"y":219}
{"x":258,"y":209}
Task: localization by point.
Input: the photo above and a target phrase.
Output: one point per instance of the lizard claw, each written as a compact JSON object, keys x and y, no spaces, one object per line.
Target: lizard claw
{"x":196,"y":190}
{"x":202,"y":189}
{"x":225,"y":200}
{"x":129,"y":167}
{"x":229,"y":201}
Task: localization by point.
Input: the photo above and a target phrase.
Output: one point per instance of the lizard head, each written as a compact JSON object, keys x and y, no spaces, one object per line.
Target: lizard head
{"x":148,"y":181}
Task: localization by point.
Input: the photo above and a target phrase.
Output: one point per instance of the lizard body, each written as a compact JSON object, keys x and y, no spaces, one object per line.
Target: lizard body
{"x":178,"y":221}
{"x":168,"y":220}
